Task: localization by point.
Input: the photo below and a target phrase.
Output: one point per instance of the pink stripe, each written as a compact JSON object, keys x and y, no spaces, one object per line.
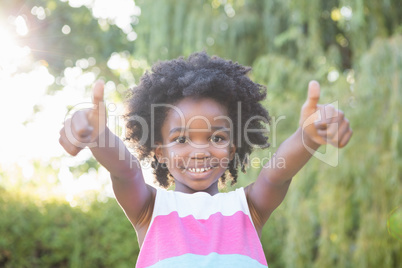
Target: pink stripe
{"x":172,"y":236}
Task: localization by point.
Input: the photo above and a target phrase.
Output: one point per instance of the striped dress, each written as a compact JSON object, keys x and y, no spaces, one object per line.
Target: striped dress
{"x":200,"y":230}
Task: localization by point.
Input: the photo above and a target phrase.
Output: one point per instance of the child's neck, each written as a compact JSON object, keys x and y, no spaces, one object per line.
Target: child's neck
{"x":180,"y":187}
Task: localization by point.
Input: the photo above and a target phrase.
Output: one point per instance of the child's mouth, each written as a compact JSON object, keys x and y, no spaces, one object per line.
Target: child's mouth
{"x":199,"y":170}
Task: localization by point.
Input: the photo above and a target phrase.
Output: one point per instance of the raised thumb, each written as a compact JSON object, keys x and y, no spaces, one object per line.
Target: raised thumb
{"x":97,"y":93}
{"x":313,"y":95}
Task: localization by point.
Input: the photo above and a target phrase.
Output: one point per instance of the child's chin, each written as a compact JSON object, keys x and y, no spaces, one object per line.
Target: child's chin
{"x":196,"y":185}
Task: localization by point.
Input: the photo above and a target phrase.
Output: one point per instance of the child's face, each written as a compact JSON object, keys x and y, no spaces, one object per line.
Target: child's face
{"x":197,"y":145}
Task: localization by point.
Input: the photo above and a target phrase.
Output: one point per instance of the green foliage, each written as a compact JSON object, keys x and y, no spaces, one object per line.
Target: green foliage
{"x":51,"y":233}
{"x":338,"y":216}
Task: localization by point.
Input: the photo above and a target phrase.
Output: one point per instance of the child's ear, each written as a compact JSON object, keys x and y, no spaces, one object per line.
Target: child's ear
{"x":232,"y":152}
{"x":158,"y":152}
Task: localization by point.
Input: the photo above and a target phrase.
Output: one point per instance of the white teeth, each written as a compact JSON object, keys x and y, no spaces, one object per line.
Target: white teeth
{"x":199,"y":170}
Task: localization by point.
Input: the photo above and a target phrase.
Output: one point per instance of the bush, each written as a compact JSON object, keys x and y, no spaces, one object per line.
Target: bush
{"x":54,"y":234}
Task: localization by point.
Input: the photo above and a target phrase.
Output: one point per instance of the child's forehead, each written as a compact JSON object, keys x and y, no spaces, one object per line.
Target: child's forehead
{"x":197,"y":112}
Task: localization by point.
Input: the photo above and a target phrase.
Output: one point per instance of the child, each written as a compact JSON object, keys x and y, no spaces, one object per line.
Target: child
{"x":199,"y":119}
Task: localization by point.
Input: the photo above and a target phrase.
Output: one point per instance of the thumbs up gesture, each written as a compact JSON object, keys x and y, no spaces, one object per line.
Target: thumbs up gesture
{"x":323,"y":124}
{"x":85,"y":126}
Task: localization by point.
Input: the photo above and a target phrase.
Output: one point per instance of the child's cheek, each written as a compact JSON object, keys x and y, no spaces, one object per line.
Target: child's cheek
{"x":224,"y":163}
{"x":215,"y":162}
{"x":223,"y":157}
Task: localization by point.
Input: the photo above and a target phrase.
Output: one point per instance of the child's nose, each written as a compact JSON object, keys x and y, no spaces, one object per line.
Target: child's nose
{"x":200,"y":153}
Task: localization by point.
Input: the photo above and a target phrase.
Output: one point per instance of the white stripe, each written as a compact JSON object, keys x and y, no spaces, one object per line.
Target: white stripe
{"x":212,"y":260}
{"x":201,"y":205}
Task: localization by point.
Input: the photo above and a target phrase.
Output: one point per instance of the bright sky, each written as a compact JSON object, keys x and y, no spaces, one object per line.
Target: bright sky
{"x":26,"y":135}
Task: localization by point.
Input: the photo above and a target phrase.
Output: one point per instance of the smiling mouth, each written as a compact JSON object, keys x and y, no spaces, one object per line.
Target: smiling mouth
{"x":199,"y":170}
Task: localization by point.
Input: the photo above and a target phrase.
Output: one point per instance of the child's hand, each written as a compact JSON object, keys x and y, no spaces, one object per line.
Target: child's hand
{"x":85,"y":126}
{"x":323,"y":123}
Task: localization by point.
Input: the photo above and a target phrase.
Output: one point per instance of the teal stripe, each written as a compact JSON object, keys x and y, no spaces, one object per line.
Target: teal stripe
{"x":213,"y":260}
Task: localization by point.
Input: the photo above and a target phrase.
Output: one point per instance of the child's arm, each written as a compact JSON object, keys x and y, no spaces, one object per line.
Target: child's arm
{"x":88,"y":128}
{"x":271,"y":186}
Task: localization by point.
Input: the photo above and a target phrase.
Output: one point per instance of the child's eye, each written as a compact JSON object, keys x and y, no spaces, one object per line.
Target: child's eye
{"x":216,"y":139}
{"x":181,"y":139}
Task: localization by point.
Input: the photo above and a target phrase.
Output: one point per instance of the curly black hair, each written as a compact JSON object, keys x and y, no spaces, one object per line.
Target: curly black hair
{"x":197,"y":77}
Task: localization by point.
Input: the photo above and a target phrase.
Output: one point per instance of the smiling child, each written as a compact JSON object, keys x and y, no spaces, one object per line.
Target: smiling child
{"x":199,"y":119}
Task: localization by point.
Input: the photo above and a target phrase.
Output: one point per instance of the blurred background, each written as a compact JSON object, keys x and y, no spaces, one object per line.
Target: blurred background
{"x":341,"y":211}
